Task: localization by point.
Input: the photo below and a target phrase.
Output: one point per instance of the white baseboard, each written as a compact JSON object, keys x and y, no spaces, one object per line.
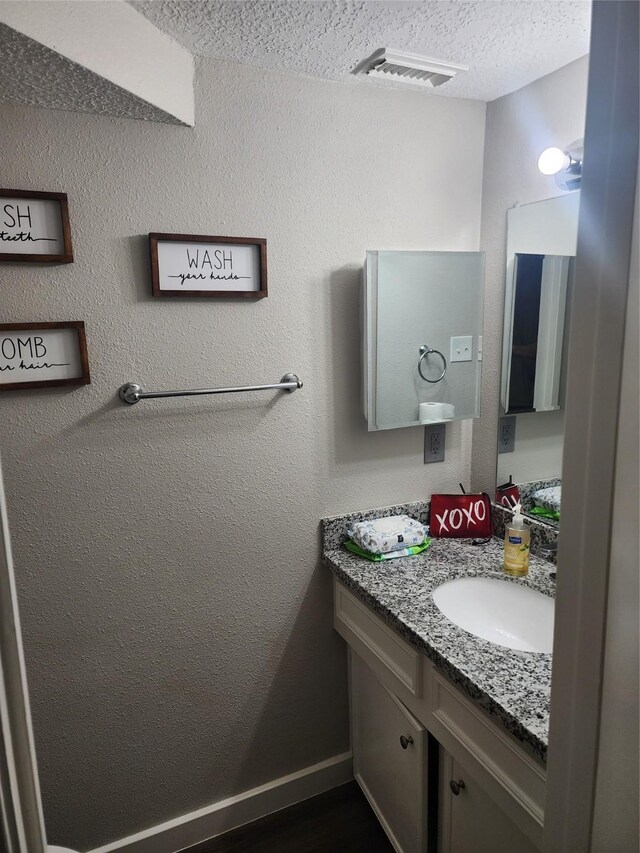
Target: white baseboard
{"x":198,"y":826}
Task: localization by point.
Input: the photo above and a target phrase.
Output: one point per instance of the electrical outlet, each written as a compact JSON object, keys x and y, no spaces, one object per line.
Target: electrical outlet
{"x":507,"y":435}
{"x":434,"y":442}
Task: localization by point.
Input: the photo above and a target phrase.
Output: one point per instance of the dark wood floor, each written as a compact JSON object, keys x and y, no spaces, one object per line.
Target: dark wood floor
{"x":339,"y":821}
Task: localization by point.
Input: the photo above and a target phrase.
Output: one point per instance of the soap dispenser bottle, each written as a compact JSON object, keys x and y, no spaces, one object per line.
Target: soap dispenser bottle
{"x":516,"y":545}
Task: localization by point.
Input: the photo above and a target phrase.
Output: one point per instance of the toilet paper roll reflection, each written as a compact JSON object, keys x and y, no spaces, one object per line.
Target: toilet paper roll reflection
{"x":430,"y":412}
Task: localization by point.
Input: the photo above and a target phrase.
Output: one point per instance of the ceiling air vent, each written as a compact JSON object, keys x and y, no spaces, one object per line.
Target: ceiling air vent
{"x":402,"y":67}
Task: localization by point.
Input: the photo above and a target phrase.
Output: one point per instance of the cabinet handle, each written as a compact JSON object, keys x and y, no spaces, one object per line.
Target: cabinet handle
{"x":405,"y":741}
{"x":456,"y":787}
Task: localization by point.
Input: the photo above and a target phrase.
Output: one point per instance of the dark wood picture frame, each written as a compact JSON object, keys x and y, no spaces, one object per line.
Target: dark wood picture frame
{"x":83,"y":379}
{"x":67,"y":255}
{"x":260,"y":242}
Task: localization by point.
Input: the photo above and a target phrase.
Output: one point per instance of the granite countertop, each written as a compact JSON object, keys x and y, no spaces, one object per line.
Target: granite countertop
{"x":512,"y":686}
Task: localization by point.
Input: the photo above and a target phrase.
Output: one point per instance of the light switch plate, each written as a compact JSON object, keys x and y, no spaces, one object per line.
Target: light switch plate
{"x":461,"y":348}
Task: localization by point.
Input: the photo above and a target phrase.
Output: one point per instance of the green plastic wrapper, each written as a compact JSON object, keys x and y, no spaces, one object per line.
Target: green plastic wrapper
{"x":378,"y":558}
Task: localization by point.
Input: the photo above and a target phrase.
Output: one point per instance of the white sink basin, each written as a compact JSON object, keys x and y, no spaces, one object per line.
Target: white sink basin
{"x":502,"y":611}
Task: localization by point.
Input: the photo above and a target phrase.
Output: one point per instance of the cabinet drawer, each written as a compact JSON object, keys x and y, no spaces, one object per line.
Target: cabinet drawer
{"x":392,"y":773}
{"x":515,"y":781}
{"x":354,"y":620}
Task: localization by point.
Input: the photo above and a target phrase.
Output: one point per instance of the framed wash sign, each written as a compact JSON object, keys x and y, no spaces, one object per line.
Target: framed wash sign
{"x":34,"y":227}
{"x":188,"y":265}
{"x":42,"y":355}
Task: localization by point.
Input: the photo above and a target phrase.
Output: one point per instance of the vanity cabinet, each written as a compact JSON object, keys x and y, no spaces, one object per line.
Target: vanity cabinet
{"x":397,"y":691}
{"x":389,"y":759}
{"x":469,"y":821}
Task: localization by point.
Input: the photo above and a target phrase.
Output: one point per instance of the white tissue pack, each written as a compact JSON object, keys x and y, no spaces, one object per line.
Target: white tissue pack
{"x":383,"y":535}
{"x":549,"y":498}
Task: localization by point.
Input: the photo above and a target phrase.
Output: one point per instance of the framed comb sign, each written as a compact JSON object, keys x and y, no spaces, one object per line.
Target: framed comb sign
{"x":34,"y":227}
{"x":43,"y":355}
{"x":191,"y":265}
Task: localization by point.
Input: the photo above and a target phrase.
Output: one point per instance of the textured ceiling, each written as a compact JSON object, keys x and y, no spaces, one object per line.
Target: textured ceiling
{"x":33,"y":75}
{"x":507,"y":44}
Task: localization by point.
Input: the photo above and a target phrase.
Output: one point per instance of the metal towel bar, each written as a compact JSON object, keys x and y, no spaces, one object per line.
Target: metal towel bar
{"x":131,"y":393}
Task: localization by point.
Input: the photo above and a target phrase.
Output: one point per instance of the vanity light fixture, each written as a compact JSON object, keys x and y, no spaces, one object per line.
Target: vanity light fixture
{"x":565,"y":165}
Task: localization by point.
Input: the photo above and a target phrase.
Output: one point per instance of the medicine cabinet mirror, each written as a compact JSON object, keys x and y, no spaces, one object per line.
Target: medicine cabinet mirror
{"x":541,"y":245}
{"x":422,"y":337}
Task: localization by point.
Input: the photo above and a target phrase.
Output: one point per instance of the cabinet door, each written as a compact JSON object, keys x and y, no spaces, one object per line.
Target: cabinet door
{"x":391,"y":772}
{"x":470,"y":821}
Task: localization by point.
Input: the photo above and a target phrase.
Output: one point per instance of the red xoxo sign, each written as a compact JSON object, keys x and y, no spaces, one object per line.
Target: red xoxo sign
{"x":460,"y":516}
{"x":508,"y":495}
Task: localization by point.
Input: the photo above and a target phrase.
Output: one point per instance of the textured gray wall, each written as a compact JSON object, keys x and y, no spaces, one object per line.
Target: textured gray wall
{"x":177,"y":623}
{"x":520,"y":126}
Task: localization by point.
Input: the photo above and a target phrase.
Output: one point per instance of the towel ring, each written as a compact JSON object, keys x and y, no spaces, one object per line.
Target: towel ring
{"x":424,"y":352}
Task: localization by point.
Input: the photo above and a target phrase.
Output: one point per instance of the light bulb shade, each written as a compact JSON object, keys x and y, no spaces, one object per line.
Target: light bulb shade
{"x":553,"y":160}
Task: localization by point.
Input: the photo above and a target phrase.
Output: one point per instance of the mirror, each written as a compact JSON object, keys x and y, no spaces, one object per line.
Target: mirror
{"x":422,"y":319}
{"x":533,"y":361}
{"x":541,"y":244}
